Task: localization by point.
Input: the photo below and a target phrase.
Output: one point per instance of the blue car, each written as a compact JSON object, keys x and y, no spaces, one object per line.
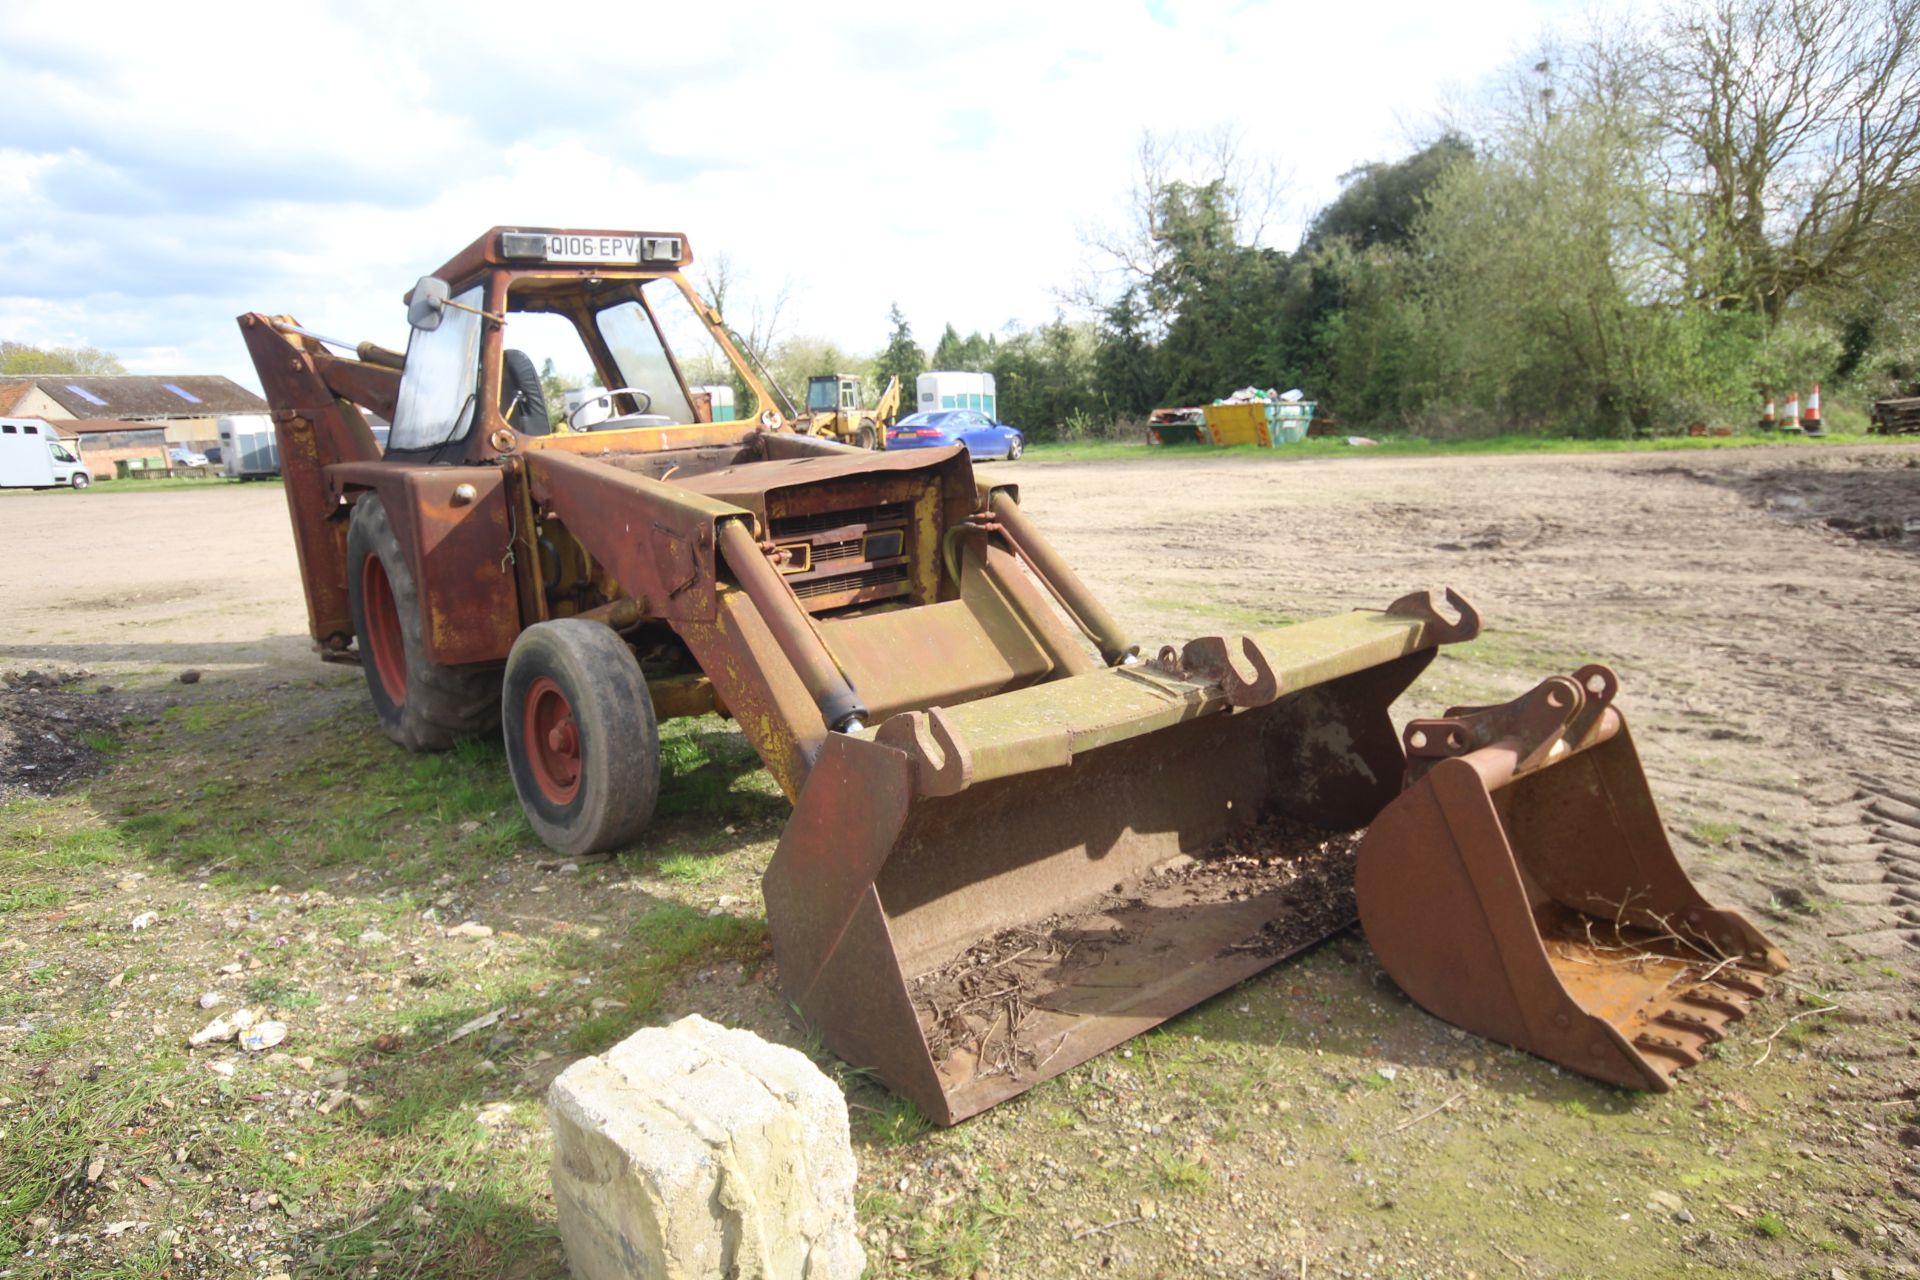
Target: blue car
{"x":983,"y":437}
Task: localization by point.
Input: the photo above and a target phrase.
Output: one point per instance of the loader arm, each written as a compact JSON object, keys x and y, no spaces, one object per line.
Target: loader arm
{"x":887,"y":410}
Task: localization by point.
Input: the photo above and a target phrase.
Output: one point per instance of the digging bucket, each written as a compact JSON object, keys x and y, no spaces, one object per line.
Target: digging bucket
{"x":1523,"y":887}
{"x":971,"y":899}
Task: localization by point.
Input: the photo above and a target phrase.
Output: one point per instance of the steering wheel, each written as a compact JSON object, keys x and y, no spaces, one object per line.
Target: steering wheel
{"x":645,"y":398}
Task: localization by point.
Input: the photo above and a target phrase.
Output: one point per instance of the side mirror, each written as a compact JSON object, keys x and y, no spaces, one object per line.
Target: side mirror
{"x":428,"y":303}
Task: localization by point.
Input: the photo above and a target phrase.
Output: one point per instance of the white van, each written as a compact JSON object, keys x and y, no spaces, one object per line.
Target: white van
{"x":33,"y":457}
{"x":935,"y":391}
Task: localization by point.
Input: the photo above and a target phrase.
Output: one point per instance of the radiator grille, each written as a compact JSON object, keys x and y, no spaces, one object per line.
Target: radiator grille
{"x":840,"y":584}
{"x":837,"y":541}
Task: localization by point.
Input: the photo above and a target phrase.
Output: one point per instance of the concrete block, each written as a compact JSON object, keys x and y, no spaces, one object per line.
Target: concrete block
{"x":694,"y":1151}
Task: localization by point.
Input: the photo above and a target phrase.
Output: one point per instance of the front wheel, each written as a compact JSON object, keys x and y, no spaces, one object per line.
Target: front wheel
{"x":1015,"y":449}
{"x":81,"y":479}
{"x":582,"y":742}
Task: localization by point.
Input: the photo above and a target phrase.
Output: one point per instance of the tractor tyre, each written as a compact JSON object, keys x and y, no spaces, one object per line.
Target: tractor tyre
{"x":866,"y":437}
{"x":422,"y":705}
{"x":582,"y":741}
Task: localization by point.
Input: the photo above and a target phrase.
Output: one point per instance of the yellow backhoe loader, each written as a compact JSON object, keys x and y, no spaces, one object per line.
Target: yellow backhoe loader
{"x":833,"y":411}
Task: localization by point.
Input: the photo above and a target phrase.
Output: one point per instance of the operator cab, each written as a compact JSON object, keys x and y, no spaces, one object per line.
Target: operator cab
{"x":532,"y":315}
{"x":829,"y":393}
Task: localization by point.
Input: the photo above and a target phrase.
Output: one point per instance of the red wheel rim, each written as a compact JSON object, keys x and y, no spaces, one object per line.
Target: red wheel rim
{"x":381,"y":615}
{"x":552,"y":740}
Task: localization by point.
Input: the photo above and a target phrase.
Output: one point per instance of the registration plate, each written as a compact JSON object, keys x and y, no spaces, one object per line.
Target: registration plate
{"x":623,"y":249}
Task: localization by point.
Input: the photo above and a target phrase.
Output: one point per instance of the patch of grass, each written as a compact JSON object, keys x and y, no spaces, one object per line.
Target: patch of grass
{"x":39,"y":897}
{"x":100,"y":741}
{"x":51,"y":1140}
{"x":201,"y":717}
{"x":1402,"y":446}
{"x":958,"y":1240}
{"x":1182,"y":1174}
{"x":708,"y":770}
{"x":657,"y":948}
{"x":1716,"y":832}
{"x":1771,"y":1225}
{"x":690,"y":868}
{"x":1577,"y":1109}
{"x":897,"y":1122}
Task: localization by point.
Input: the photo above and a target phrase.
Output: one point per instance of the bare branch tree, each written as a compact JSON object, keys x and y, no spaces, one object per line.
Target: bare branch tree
{"x":1795,"y":128}
{"x":1249,"y":192}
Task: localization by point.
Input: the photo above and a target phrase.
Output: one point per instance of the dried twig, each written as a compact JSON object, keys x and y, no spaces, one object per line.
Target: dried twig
{"x":1104,"y":1227}
{"x":1779,"y":1030}
{"x":1431,"y":1111}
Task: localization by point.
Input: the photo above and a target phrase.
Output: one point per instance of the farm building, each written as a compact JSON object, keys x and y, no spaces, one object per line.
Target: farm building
{"x":185,"y":408}
{"x":104,"y":441}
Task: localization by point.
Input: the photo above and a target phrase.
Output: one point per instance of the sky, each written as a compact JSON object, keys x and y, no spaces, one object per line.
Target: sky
{"x":165,"y":168}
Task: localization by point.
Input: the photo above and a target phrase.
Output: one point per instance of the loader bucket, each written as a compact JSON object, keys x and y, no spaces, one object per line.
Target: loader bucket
{"x":971,"y":899}
{"x":1522,"y":887}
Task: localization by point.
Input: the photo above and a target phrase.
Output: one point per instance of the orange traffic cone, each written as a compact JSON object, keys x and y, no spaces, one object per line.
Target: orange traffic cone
{"x":1811,"y":423}
{"x":1768,"y":417}
{"x":1792,"y":420}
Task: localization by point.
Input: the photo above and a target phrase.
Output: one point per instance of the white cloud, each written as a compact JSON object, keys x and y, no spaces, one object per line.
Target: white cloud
{"x":169,"y":168}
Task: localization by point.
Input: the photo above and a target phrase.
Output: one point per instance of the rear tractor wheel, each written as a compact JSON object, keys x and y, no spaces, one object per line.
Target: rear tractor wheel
{"x":581,"y":737}
{"x":422,"y":705}
{"x":867,"y":437}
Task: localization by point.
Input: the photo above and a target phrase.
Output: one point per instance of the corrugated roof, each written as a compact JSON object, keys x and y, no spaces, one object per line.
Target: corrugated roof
{"x":142,"y":396}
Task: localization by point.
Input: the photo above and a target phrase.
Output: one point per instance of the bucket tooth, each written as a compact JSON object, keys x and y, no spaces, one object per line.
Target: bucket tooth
{"x":1522,"y":886}
{"x":1731,"y":1008}
{"x":1697,"y":1023}
{"x":1743,"y":984}
{"x":1682,"y":1052}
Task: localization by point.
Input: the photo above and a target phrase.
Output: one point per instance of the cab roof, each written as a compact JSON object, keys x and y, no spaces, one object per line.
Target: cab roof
{"x":589,"y":252}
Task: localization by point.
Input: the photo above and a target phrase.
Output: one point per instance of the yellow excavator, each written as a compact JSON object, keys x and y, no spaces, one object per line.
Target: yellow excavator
{"x":833,"y":411}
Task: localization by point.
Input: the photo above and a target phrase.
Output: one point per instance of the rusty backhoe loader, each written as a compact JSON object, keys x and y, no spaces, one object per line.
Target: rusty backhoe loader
{"x":1002,"y":859}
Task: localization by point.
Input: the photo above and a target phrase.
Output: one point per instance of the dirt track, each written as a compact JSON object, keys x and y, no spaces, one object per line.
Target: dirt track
{"x":1768,"y":665}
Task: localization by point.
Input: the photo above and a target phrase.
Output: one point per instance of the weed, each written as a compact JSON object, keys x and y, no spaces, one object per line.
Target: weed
{"x":1577,"y":1109}
{"x":899,"y":1121}
{"x":1771,"y":1225}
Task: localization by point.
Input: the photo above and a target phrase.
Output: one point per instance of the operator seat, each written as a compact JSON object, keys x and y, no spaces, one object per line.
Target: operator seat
{"x":520,"y":380}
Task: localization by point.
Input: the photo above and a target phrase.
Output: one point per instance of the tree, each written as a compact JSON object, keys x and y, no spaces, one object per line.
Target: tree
{"x":719,"y":283}
{"x":1382,"y":203}
{"x":902,"y":357}
{"x":971,"y":354}
{"x":1792,"y":143}
{"x":24,"y":358}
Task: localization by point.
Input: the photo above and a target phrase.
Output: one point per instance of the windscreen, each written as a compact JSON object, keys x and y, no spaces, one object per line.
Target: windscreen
{"x":663,"y":347}
{"x":436,"y":401}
